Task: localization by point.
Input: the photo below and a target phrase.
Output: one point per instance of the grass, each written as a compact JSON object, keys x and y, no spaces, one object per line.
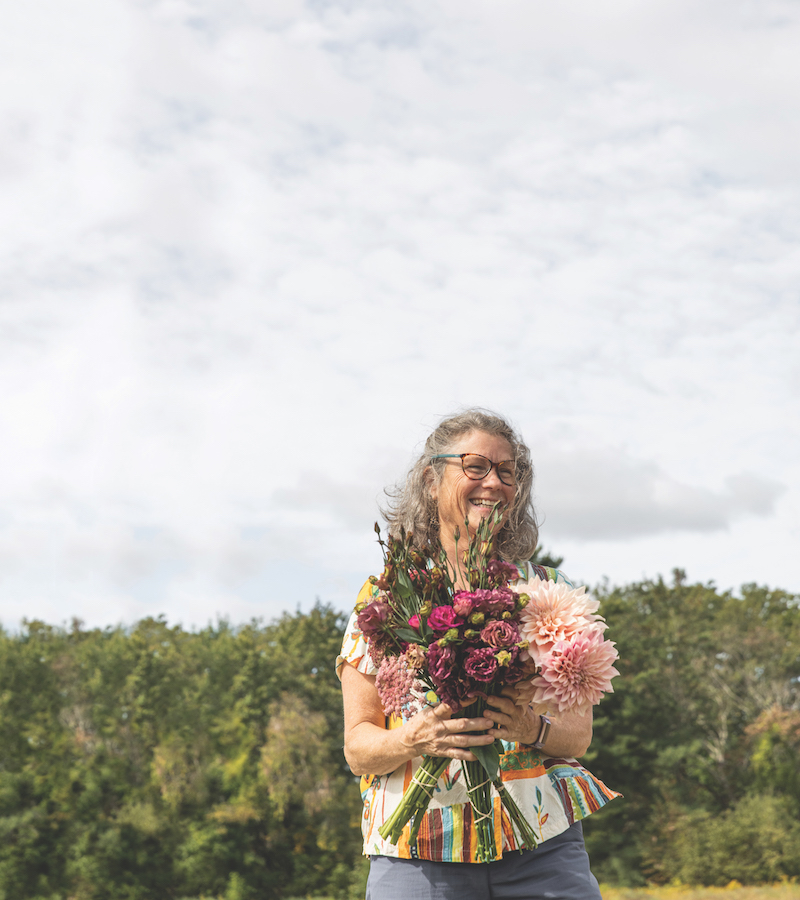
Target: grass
{"x":734,"y":891}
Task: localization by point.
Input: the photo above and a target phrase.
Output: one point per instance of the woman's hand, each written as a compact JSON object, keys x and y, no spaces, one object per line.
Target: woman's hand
{"x":512,"y":720}
{"x":371,"y":748}
{"x":434,"y":732}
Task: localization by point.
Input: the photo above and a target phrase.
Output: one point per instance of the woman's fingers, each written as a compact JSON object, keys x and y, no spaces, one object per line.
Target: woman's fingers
{"x":511,"y":722}
{"x":468,"y":732}
{"x":446,"y":715}
{"x":502,"y":705}
{"x":442,"y":735}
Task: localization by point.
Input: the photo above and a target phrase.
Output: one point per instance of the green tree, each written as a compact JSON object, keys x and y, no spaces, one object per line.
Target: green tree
{"x":698,"y":668}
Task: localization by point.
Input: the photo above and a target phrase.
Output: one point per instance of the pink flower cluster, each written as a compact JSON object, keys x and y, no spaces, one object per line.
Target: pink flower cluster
{"x":394,"y":683}
{"x":565,"y":640}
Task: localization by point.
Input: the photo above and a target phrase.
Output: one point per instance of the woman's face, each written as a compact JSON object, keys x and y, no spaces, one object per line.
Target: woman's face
{"x":459,"y":497}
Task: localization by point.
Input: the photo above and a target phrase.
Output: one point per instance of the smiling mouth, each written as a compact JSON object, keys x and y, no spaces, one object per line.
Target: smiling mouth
{"x":486,"y":503}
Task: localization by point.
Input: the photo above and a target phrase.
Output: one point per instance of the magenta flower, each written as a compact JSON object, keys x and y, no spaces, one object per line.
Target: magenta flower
{"x":414,"y":622}
{"x":480,"y":664}
{"x":576,"y":673}
{"x":481,"y":600}
{"x":463,"y":604}
{"x":443,"y":618}
{"x":499,"y":634}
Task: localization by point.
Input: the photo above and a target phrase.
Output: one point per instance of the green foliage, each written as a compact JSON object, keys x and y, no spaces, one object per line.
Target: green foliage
{"x":756,"y":841}
{"x":154,"y":762}
{"x":542,"y":557}
{"x":704,"y":716}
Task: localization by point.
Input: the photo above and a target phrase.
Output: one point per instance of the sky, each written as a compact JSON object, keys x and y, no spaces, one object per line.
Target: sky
{"x":253,"y":252}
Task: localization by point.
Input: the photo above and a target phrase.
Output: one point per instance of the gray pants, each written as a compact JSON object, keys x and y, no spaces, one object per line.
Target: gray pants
{"x":557,"y":869}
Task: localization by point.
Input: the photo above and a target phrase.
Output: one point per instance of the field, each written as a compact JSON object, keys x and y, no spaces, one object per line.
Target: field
{"x":734,"y":891}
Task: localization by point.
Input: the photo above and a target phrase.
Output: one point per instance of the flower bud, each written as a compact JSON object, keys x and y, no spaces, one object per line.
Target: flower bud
{"x":477,"y":618}
{"x":449,"y":637}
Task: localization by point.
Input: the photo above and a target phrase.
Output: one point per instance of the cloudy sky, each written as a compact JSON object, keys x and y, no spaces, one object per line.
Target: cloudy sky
{"x":253,"y":250}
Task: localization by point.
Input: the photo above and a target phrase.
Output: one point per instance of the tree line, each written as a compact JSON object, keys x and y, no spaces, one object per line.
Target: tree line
{"x":154,"y":762}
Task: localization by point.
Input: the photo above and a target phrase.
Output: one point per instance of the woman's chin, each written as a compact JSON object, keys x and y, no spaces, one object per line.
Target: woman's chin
{"x":478,"y":514}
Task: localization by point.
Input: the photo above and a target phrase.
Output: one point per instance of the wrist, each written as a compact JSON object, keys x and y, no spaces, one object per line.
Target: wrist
{"x":542,"y":733}
{"x":533,"y":728}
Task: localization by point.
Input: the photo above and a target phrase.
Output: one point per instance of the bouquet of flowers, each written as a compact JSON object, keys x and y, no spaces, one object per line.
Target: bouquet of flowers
{"x":465,"y":646}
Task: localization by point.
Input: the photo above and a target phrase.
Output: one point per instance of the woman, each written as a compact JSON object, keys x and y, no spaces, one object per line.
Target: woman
{"x":471,"y":462}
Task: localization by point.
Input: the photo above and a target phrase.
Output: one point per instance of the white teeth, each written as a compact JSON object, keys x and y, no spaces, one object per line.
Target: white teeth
{"x":484,"y":502}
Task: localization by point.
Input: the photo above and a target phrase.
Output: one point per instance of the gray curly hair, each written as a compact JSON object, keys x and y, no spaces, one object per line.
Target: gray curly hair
{"x":412,"y":508}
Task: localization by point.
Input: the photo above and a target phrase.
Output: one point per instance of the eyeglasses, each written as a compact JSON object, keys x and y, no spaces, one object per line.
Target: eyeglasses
{"x":477,"y":467}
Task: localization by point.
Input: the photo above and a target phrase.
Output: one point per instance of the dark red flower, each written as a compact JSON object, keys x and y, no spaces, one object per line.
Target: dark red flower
{"x":501,"y":572}
{"x":373,"y":617}
{"x":500,"y":634}
{"x":501,"y":600}
{"x":441,"y":662}
{"x":481,"y":664}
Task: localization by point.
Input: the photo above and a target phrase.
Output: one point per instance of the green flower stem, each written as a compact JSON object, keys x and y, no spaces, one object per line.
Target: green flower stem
{"x":518,"y":820}
{"x":415,"y":800}
{"x":479,"y":790}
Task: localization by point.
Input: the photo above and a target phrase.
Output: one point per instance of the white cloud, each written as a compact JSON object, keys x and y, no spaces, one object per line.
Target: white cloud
{"x":252,"y":253}
{"x":607,"y":496}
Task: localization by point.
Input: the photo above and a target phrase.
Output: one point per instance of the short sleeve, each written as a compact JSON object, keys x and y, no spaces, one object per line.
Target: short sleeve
{"x":354,"y":644}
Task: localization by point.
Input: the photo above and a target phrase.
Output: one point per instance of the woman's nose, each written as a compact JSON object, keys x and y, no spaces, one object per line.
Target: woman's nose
{"x":491,"y":478}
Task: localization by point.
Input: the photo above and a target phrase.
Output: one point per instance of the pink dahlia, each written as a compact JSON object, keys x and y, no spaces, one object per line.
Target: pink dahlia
{"x":555,"y":612}
{"x":576,"y":673}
